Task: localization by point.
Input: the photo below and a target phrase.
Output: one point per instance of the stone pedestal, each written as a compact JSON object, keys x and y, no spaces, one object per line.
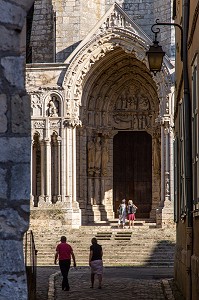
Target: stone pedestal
{"x":165,"y":214}
{"x":56,"y":215}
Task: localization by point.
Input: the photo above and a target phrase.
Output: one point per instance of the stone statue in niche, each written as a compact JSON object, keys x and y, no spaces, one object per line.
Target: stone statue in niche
{"x":105,"y":157}
{"x":52,"y":108}
{"x":91,"y":156}
{"x":156,"y":155}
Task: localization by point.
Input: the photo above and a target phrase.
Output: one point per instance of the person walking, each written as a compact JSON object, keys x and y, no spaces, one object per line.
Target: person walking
{"x":64,"y":252}
{"x":95,"y":262}
{"x":122,"y":214}
{"x":131,"y":210}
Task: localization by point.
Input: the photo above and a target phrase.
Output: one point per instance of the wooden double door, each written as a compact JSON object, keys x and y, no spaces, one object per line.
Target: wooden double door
{"x":132,"y":170}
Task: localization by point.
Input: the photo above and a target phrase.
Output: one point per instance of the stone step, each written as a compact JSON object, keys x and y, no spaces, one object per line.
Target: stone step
{"x":119,"y":263}
{"x":143,"y":245}
{"x":128,"y":257}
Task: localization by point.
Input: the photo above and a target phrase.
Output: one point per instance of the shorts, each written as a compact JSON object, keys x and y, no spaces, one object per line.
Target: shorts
{"x":131,"y":217}
{"x":97,"y":267}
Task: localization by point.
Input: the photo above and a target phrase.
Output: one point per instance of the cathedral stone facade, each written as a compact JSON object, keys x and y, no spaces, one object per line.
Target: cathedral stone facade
{"x":101,"y":123}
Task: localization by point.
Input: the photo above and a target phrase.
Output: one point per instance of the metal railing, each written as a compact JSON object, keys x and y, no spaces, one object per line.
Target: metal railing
{"x":30,"y":257}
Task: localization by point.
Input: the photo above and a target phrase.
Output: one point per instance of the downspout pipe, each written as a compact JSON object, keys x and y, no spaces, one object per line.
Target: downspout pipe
{"x":188,"y":149}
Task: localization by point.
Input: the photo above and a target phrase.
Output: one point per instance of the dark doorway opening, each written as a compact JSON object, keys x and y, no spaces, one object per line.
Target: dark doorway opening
{"x":132,"y":170}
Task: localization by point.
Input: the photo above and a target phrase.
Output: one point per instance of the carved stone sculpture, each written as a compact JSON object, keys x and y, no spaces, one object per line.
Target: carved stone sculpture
{"x":52,"y":110}
{"x":156,"y":155}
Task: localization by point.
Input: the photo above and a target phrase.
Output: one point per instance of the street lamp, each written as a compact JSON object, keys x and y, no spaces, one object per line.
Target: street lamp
{"x":155,"y":53}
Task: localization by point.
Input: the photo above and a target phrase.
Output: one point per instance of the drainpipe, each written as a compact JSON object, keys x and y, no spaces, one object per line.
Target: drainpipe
{"x":188,"y":151}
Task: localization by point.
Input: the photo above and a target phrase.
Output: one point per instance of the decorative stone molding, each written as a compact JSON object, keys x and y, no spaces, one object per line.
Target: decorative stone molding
{"x":39,"y":124}
{"x":55,"y":124}
{"x":72,"y":123}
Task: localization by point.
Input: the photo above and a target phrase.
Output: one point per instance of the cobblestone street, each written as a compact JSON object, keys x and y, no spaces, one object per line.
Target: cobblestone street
{"x":113,"y":287}
{"x":118,"y":283}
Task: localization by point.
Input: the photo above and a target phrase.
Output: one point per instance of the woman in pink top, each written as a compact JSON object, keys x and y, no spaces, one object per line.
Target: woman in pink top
{"x":64,"y":252}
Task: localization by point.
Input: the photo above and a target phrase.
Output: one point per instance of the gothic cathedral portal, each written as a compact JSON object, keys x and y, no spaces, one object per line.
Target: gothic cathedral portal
{"x":101,"y":121}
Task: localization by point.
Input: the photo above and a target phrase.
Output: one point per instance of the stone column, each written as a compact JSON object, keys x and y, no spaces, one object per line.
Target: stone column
{"x":97,"y":191}
{"x":63,"y":153}
{"x":15,"y":150}
{"x":42,"y":146}
{"x":167,"y":173}
{"x":58,"y":168}
{"x":162,"y":166}
{"x":103,"y":191}
{"x":48,"y":171}
{"x":55,"y":175}
{"x":90,"y":191}
{"x":67,"y":162}
{"x":72,"y":206}
{"x":171,"y":159}
{"x":74,"y":164}
{"x":33,"y":172}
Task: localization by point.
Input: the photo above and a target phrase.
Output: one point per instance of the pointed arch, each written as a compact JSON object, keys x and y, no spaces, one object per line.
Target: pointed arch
{"x":108,"y":48}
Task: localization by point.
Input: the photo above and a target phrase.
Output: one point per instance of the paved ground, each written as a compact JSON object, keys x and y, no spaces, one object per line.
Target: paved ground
{"x":43,"y":274}
{"x":118,"y":283}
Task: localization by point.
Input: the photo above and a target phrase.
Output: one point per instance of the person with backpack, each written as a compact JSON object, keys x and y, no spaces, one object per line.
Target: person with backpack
{"x":122,"y":214}
{"x":131,"y":210}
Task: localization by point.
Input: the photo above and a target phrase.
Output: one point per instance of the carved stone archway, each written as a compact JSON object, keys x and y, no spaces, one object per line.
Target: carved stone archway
{"x":120,"y":96}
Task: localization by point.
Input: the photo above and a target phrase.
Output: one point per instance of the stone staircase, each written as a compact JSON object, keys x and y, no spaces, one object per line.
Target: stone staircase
{"x":144,"y":245}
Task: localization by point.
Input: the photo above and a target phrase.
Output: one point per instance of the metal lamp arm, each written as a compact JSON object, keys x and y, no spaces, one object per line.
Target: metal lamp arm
{"x":157,"y":30}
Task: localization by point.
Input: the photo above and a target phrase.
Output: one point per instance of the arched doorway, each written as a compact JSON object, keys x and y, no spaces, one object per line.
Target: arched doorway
{"x":132,"y":170}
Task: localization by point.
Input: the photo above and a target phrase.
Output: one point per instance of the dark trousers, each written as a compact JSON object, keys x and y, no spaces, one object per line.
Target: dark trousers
{"x":64,"y":267}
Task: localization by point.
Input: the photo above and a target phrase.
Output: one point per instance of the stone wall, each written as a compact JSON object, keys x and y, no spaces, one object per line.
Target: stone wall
{"x":42,"y":35}
{"x":163,"y":11}
{"x":14,"y":150}
{"x":61,"y":25}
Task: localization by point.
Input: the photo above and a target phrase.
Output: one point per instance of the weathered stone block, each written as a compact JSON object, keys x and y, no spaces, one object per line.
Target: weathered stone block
{"x":3,"y":110}
{"x":14,"y":70}
{"x":14,"y":15}
{"x":20,"y":107}
{"x":13,"y":224}
{"x":3,"y":186}
{"x":12,"y":266}
{"x":20,"y":182}
{"x":9,"y":38}
{"x":12,"y":149}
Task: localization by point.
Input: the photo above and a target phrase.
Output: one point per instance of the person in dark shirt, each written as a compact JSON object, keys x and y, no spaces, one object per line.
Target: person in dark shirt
{"x":95,"y":262}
